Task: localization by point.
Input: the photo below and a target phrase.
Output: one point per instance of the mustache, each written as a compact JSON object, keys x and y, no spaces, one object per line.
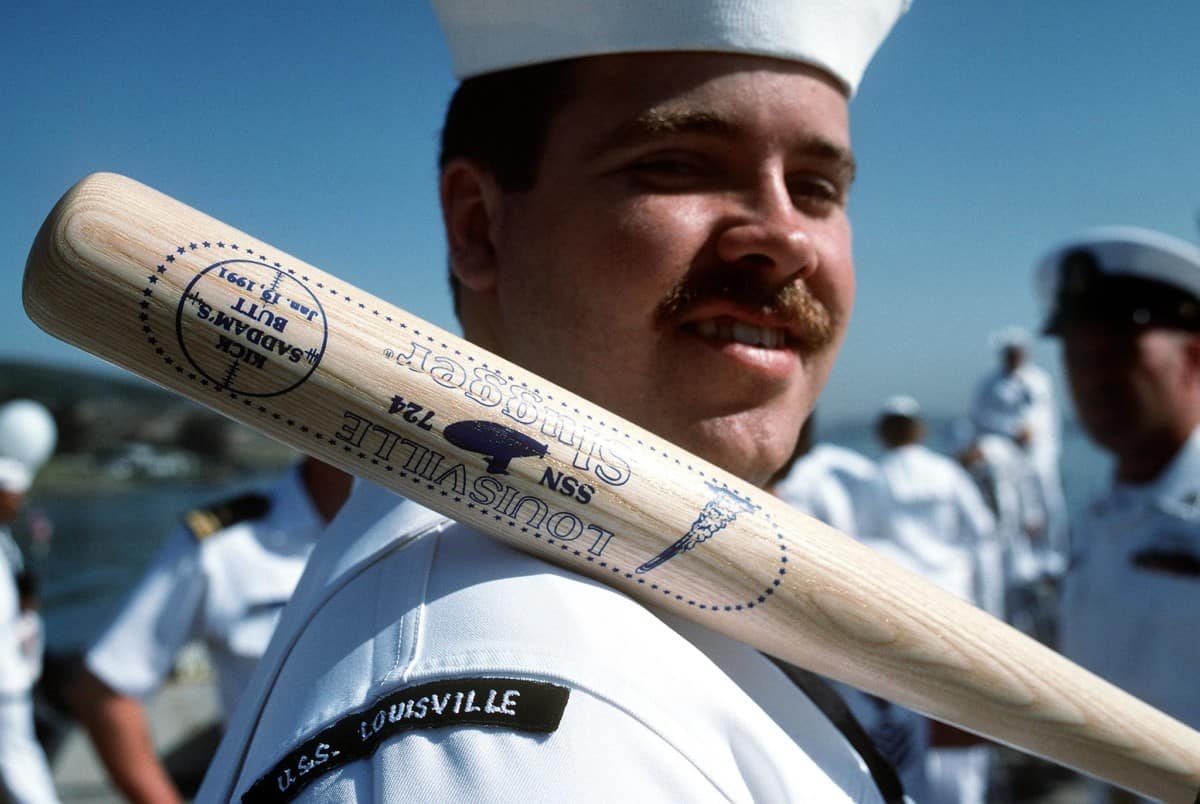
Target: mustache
{"x":791,"y":305}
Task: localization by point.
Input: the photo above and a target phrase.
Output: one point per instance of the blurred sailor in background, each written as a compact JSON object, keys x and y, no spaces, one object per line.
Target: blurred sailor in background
{"x":1005,"y":477}
{"x":27,"y":438}
{"x":1125,"y":303}
{"x":829,"y":482}
{"x":936,"y":523}
{"x":1018,"y":400}
{"x":223,"y":577}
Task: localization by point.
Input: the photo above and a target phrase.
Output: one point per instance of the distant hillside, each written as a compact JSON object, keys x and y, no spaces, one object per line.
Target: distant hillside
{"x":130,"y":429}
{"x":57,"y":386}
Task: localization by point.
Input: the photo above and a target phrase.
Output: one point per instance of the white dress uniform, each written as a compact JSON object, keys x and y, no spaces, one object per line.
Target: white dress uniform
{"x":830,"y":482}
{"x":934,"y":517}
{"x":1007,"y":480}
{"x":1129,"y":611}
{"x":1004,"y":404}
{"x":403,"y":617}
{"x":936,"y":523}
{"x":25,"y":776}
{"x":839,"y":486}
{"x":227,"y":588}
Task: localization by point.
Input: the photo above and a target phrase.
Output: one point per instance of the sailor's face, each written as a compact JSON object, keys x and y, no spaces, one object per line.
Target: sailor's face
{"x":684,"y":257}
{"x":1129,"y":385}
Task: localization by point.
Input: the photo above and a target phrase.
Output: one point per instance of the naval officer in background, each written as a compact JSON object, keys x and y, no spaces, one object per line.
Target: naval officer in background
{"x":1125,"y":304}
{"x":223,"y":577}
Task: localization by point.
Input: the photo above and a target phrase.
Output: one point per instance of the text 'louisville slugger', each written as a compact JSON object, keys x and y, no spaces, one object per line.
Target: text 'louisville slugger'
{"x":198,"y":307}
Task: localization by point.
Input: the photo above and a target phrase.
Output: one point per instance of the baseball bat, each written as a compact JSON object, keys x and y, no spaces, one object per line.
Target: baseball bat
{"x":194,"y":305}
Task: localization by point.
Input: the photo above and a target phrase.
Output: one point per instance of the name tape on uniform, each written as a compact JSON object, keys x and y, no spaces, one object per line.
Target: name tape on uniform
{"x":505,"y":703}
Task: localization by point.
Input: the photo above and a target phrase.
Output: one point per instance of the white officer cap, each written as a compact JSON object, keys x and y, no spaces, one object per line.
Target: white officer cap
{"x":14,"y":476}
{"x":901,"y":405}
{"x":838,"y":36}
{"x":1121,"y":274}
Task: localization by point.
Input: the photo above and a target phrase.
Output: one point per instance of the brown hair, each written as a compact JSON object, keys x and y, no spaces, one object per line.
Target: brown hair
{"x":500,"y":121}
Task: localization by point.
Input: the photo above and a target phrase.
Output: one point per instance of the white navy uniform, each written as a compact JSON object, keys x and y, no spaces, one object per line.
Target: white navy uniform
{"x":227,"y":588}
{"x":1005,"y":403}
{"x":938,"y":525}
{"x":935,"y":519}
{"x":401,"y":611}
{"x":25,"y":776}
{"x":1129,"y":610}
{"x":830,"y":482}
{"x":839,"y":486}
{"x":1007,"y":480}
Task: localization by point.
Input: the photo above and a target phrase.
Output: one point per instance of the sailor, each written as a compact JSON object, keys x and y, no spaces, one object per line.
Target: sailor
{"x":1017,"y":400}
{"x":937,"y":525}
{"x":223,"y":577}
{"x":27,"y":439}
{"x":829,"y":482}
{"x":1005,"y":477}
{"x":1125,"y":304}
{"x":669,"y":181}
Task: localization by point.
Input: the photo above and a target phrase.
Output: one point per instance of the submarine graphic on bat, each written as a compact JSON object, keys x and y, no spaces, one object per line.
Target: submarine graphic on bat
{"x":495,"y":442}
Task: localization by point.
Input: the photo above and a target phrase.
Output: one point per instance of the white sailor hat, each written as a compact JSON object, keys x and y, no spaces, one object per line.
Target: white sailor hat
{"x":1121,"y":275}
{"x":1013,"y":337}
{"x":27,"y":433}
{"x":901,"y":405}
{"x":838,"y":36}
{"x":15,"y":477}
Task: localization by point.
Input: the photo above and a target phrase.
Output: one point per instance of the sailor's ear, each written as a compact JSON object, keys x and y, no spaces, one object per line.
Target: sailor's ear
{"x":471,"y":205}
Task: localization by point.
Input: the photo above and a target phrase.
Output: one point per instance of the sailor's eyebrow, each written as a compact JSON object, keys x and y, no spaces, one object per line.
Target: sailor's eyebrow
{"x":660,"y":122}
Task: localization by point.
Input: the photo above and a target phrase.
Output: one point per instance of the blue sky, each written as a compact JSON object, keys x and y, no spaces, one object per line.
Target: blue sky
{"x":985,"y":133}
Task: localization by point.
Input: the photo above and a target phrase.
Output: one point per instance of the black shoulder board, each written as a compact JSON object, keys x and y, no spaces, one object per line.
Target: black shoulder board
{"x":499,"y":703}
{"x":204,"y":522}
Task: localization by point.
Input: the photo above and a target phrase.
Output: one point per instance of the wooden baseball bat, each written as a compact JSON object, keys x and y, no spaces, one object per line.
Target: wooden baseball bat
{"x":198,"y":307}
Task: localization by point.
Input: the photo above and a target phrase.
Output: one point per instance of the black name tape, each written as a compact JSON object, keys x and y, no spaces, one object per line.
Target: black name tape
{"x":505,"y":703}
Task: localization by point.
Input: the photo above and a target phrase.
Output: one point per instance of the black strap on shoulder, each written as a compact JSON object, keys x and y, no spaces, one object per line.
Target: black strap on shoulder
{"x":827,"y":699}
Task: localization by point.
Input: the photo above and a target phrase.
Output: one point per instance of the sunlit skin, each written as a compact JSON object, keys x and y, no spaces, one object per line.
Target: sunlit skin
{"x":681,"y":200}
{"x":1136,"y":390}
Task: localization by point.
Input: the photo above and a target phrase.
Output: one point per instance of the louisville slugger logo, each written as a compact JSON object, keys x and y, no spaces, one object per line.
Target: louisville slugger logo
{"x":718,"y":513}
{"x":493,"y":392}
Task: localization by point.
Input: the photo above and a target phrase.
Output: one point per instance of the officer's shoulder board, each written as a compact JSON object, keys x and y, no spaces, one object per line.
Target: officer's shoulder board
{"x":205,"y":521}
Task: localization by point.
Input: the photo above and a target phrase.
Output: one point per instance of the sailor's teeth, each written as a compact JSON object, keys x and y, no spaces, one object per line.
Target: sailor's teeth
{"x":745,"y":333}
{"x":749,"y":334}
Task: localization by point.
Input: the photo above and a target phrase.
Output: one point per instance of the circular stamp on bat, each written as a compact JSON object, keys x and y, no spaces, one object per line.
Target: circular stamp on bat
{"x":251,"y":328}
